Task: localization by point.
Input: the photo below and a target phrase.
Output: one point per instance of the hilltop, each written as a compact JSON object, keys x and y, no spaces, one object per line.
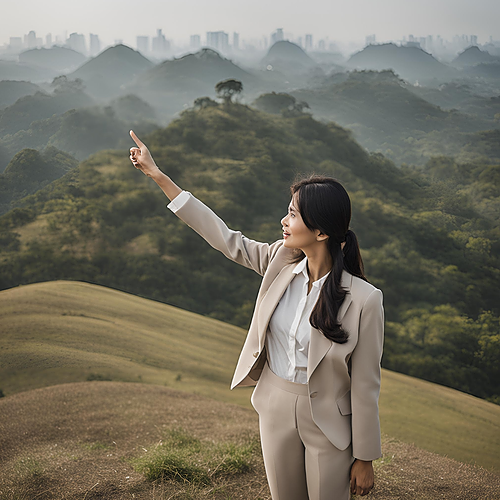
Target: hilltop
{"x":411,"y":63}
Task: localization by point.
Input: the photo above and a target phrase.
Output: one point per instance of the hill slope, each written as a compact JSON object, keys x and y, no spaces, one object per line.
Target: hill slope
{"x":74,"y":331}
{"x":74,"y":441}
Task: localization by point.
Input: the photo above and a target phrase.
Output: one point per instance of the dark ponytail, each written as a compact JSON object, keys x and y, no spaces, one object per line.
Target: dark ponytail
{"x":324,"y":204}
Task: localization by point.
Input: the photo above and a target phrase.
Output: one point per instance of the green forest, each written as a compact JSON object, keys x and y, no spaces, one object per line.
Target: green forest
{"x":429,"y":236}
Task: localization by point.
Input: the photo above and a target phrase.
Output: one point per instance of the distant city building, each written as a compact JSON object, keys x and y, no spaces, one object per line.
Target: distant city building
{"x":473,"y":40}
{"x":30,"y":40}
{"x":143,"y":44}
{"x":194,"y":42}
{"x":277,"y":36}
{"x":309,"y":42}
{"x":422,"y":42}
{"x":95,"y":44}
{"x":299,"y":42}
{"x":236,"y":41}
{"x":76,"y":42}
{"x":48,"y":41}
{"x":370,"y":39}
{"x":161,"y":46}
{"x":218,"y":40}
{"x":321,"y":45}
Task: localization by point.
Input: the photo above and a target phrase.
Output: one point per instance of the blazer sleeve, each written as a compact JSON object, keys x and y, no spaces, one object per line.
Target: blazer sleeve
{"x":365,"y":379}
{"x":233,"y":244}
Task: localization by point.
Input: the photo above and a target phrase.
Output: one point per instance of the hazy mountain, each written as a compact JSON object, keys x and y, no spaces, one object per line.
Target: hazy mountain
{"x":39,"y":106}
{"x":10,"y":70}
{"x":12,"y":90}
{"x":473,"y":55}
{"x":459,"y":96}
{"x":194,"y":74}
{"x":59,"y":59}
{"x":107,"y":74}
{"x":132,"y":109}
{"x":29,"y":171}
{"x":289,"y":58}
{"x":485,"y":70}
{"x":411,"y":63}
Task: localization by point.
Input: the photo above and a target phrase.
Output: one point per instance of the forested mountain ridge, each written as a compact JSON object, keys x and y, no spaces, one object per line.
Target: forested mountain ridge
{"x":429,"y":238}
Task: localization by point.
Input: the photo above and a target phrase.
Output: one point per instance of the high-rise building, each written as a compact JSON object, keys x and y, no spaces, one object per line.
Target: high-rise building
{"x":30,"y":40}
{"x":218,"y":40}
{"x":48,"y":40}
{"x":321,"y":45}
{"x":473,"y":40}
{"x":76,"y":41}
{"x":95,"y":44}
{"x":370,"y":39}
{"x":309,"y":42}
{"x":161,"y":46}
{"x":194,"y":42}
{"x":236,"y":41}
{"x":277,"y":36}
{"x":143,"y":44}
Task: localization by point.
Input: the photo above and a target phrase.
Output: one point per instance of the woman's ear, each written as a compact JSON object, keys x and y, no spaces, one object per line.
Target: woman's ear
{"x":321,"y":236}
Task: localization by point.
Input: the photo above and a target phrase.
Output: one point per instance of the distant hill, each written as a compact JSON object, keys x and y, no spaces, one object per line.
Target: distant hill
{"x":195,"y":74}
{"x":13,"y":70}
{"x":74,"y":331}
{"x":105,"y":74}
{"x":40,"y":106}
{"x":58,"y":59}
{"x":12,"y":90}
{"x":288,"y":57}
{"x":473,"y":55}
{"x":411,"y":63}
{"x":389,"y":115}
{"x":29,"y":171}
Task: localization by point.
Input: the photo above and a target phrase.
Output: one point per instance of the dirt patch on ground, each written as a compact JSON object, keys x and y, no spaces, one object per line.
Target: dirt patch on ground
{"x":73,"y":441}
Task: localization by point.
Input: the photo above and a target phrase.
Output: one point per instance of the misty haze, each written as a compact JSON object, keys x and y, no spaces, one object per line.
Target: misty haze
{"x":120,"y":327}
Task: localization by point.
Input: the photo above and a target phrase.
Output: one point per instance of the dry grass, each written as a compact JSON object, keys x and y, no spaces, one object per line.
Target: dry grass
{"x":75,"y":441}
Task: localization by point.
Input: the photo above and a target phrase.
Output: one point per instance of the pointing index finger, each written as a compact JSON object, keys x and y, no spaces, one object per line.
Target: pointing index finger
{"x":136,"y":139}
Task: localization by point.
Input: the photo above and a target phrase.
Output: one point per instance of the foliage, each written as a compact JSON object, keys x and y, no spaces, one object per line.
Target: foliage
{"x":430,"y":236}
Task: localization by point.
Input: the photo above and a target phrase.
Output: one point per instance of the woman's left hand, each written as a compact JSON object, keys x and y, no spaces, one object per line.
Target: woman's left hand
{"x":362,"y":478}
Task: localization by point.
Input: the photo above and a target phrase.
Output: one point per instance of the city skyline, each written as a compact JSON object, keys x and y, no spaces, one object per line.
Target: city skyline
{"x":345,"y":23}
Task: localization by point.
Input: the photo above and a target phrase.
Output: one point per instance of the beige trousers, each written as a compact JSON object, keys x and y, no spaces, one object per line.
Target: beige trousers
{"x":300,"y":462}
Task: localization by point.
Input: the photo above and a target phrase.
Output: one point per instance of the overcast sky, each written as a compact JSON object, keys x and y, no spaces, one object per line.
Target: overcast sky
{"x":348,"y":20}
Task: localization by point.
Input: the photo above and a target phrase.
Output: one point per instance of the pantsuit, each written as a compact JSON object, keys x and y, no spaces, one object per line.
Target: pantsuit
{"x":332,"y":419}
{"x":301,"y":463}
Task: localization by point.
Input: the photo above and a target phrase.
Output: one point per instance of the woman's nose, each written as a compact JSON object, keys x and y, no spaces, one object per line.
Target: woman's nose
{"x":283,"y":220}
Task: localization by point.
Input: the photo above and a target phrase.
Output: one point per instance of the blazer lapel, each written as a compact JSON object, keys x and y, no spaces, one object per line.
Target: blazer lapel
{"x":271,"y":299}
{"x":319,"y":344}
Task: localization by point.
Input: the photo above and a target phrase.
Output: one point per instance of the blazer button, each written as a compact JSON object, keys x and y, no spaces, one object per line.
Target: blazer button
{"x":256,"y":354}
{"x":314,"y":394}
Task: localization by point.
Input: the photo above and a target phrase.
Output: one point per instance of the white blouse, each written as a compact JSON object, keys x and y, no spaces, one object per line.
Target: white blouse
{"x":289,"y":330}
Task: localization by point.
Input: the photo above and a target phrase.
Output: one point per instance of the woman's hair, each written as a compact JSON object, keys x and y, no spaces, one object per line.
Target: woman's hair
{"x":324,"y":204}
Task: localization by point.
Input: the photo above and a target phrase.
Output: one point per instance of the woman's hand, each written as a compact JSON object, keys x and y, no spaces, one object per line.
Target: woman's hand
{"x":141,"y":157}
{"x":362,"y":478}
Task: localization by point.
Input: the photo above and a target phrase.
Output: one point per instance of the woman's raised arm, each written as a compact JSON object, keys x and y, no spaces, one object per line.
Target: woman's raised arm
{"x":233,"y":244}
{"x":142,"y":159}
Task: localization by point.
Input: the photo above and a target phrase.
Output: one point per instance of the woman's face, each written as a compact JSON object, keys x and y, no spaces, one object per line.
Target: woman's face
{"x":295,"y":233}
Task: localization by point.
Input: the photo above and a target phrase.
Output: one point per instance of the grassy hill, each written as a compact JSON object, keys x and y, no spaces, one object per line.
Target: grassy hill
{"x":424,"y":233}
{"x":56,"y":332}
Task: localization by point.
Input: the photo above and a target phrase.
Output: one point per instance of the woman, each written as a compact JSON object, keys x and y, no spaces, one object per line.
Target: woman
{"x":315,"y":341}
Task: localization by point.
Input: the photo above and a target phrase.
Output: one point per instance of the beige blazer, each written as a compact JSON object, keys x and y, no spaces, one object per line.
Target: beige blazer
{"x":343,"y":379}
